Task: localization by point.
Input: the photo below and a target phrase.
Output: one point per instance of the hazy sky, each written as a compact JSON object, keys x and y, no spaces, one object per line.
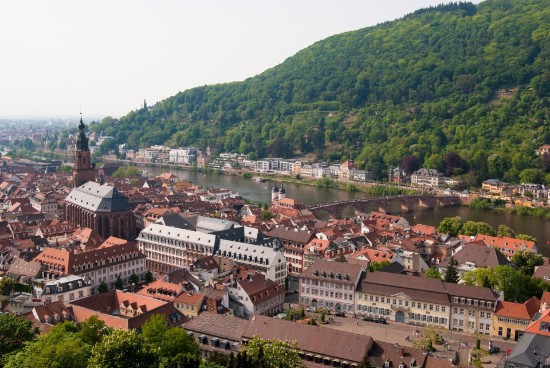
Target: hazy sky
{"x":108,"y":56}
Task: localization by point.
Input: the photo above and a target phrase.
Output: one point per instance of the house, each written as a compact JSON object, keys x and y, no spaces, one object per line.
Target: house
{"x":508,"y":246}
{"x":330,"y":284}
{"x":64,"y":289}
{"x":471,"y":256}
{"x":294,"y":242}
{"x":220,"y":333}
{"x":104,"y":264}
{"x":162,"y":290}
{"x":422,"y":301}
{"x":430,"y":178}
{"x":543,"y":150}
{"x":121,"y":310}
{"x":255,"y":294}
{"x":51,"y":314}
{"x":533,"y":348}
{"x":494,"y":186}
{"x":189,"y":304}
{"x":510,"y":319}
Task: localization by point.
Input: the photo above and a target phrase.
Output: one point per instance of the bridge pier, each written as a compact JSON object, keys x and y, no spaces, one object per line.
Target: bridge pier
{"x":425,"y":203}
{"x":405,"y":208}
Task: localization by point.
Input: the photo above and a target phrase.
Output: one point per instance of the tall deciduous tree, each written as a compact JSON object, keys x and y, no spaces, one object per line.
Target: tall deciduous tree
{"x":273,"y":353}
{"x":122,"y":349}
{"x":450,"y":225}
{"x":527,"y":260}
{"x":14,"y":333}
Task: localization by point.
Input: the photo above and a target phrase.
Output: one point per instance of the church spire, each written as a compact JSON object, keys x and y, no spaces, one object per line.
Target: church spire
{"x":81,"y":140}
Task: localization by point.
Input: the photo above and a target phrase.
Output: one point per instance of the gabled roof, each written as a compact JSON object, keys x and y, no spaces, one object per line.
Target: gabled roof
{"x":482,"y":256}
{"x":524,"y":311}
{"x":98,"y":198}
{"x":343,"y":345}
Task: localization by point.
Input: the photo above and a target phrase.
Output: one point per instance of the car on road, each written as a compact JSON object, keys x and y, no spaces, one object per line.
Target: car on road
{"x":494,"y":350}
{"x":368,"y":319}
{"x":381,"y":320}
{"x":340,"y":314}
{"x":311,"y":310}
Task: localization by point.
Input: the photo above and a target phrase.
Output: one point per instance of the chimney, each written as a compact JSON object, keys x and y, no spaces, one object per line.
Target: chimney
{"x":402,"y":352}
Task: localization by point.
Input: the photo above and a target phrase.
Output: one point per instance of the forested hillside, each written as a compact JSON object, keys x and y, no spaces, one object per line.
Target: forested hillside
{"x":472,"y":80}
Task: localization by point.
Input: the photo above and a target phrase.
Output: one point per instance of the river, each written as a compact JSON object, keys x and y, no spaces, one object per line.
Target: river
{"x":261,"y":193}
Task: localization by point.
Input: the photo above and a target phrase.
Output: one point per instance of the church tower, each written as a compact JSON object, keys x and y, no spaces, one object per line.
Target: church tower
{"x":83,"y":169}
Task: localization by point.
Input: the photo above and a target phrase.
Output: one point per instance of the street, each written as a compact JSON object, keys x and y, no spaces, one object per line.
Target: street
{"x":396,"y":332}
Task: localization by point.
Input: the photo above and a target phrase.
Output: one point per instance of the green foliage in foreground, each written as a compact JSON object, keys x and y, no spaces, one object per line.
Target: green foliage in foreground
{"x":456,"y":78}
{"x":92,"y":345}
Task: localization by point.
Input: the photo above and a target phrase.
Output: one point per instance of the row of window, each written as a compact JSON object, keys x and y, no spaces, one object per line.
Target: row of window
{"x":406,"y":303}
{"x":328,"y":284}
{"x":513,"y":320}
{"x":475,"y":302}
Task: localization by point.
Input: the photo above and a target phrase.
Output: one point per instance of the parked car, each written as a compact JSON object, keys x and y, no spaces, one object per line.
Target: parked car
{"x":381,"y":320}
{"x":494,"y":350}
{"x":368,"y":319}
{"x":340,"y":314}
{"x":311,"y":310}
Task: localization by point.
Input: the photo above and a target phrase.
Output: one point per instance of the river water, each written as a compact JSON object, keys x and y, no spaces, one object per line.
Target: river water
{"x":261,"y":193}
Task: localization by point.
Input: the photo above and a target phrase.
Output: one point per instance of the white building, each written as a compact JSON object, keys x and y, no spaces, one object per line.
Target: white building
{"x":268,"y":260}
{"x":65,"y":289}
{"x":183,"y":155}
{"x":255,"y":295}
{"x":330,"y":284}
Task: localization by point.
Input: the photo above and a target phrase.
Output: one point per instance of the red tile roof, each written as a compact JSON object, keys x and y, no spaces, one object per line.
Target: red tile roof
{"x":518,"y":310}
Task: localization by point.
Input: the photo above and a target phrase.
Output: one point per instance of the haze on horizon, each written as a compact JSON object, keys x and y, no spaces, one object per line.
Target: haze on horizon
{"x":108,"y":56}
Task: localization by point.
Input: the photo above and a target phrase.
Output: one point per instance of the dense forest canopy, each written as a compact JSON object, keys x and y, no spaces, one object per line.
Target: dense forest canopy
{"x":459,"y":78}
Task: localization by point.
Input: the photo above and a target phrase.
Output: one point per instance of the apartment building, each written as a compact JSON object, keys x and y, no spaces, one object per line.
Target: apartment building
{"x":330,"y":284}
{"x":423,"y":301}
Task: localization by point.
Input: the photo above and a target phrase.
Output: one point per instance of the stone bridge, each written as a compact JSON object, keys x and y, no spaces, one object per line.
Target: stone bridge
{"x":385,"y":204}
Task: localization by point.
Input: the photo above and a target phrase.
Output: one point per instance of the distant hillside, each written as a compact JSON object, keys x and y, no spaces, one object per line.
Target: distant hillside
{"x":461,"y":78}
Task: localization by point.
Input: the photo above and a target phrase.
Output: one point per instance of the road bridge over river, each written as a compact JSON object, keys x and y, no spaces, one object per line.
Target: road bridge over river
{"x":405,"y":203}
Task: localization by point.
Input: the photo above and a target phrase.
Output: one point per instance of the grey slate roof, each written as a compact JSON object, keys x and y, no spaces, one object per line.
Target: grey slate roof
{"x":524,"y":354}
{"x":64,"y":284}
{"x":98,"y":198}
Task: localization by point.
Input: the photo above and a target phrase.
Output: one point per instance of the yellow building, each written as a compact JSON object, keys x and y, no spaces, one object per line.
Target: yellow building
{"x":189,"y":304}
{"x":510,"y":319}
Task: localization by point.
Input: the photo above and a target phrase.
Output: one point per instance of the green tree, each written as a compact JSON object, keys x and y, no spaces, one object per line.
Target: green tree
{"x":273,"y":353}
{"x":119,"y":284}
{"x":93,"y":330}
{"x":365,"y":362}
{"x":472,"y":228}
{"x":126,"y":172}
{"x":59,"y":348}
{"x":148,"y":277}
{"x":122,"y":349}
{"x":527,"y":260}
{"x":103,"y":287}
{"x":505,"y":231}
{"x":65,"y":169}
{"x":533,"y":176}
{"x":432,"y":273}
{"x":341,"y":258}
{"x":516,"y":286}
{"x":430,"y":336}
{"x":266,"y":215}
{"x":168,"y":342}
{"x":14,"y":333}
{"x":527,"y":237}
{"x":451,"y":273}
{"x":450,"y":225}
{"x":133,"y":279}
{"x":7,"y":286}
{"x":376,"y":266}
